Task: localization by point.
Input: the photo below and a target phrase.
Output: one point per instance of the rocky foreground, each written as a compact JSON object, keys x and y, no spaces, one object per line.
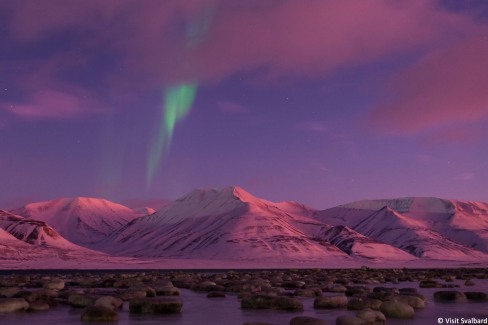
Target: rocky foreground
{"x":371,"y":296}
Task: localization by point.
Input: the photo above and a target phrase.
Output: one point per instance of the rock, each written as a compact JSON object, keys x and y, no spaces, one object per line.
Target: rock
{"x":307,"y":292}
{"x":307,"y":320}
{"x":157,"y":305}
{"x":350,"y":320}
{"x":215,"y":294}
{"x":150,"y":292}
{"x":372,"y":316}
{"x":8,"y":292}
{"x":28,"y":295}
{"x":54,"y":284}
{"x":257,"y":301}
{"x":476,"y":296}
{"x":407,"y":290}
{"x":167,"y":290}
{"x":337,"y":288}
{"x":358,"y":303}
{"x":10,"y":305}
{"x":397,"y":309}
{"x":205,"y":286}
{"x":429,"y":284}
{"x":132,"y":294}
{"x":99,"y":314}
{"x":330,"y":302}
{"x":109,"y":302}
{"x":293,"y":284}
{"x":270,"y":302}
{"x":80,"y":300}
{"x":449,"y":296}
{"x":383,"y":296}
{"x":357,"y":291}
{"x":38,"y":306}
{"x":413,"y":301}
{"x":469,"y":283}
{"x":288,"y":303}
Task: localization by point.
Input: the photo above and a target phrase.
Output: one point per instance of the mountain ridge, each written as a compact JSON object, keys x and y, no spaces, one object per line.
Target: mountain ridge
{"x":231,"y":224}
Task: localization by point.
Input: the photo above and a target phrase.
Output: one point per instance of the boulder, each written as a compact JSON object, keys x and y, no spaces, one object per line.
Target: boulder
{"x":10,"y":305}
{"x":8,"y":292}
{"x":257,"y":301}
{"x":215,"y":294}
{"x":288,"y":303}
{"x":81,"y":300}
{"x":413,"y":301}
{"x":99,"y":314}
{"x":337,"y":288}
{"x":476,"y":296}
{"x":449,"y":296}
{"x":38,"y":306}
{"x":469,"y":283}
{"x":109,"y":302}
{"x":350,"y":320}
{"x":307,"y":320}
{"x":167,"y":290}
{"x":358,"y":303}
{"x":271,"y":302}
{"x":371,"y":316}
{"x":429,"y":284}
{"x":132,"y":294}
{"x":54,"y":284}
{"x":397,"y":309}
{"x":330,"y":302}
{"x":157,"y":305}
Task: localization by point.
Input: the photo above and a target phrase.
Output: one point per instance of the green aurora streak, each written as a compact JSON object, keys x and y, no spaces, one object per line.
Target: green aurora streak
{"x":178,"y":101}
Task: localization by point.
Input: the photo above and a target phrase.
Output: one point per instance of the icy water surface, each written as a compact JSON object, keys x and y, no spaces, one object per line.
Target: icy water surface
{"x":198,"y":309}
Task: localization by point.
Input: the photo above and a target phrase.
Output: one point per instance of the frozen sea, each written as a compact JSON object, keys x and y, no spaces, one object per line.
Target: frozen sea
{"x":198,"y":309}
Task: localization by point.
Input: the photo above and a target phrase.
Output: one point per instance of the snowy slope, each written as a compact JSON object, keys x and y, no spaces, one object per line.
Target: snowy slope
{"x":462,"y":221}
{"x":84,"y":221}
{"x":391,"y":227}
{"x":357,"y":245}
{"x":226,"y":224}
{"x":33,"y":232}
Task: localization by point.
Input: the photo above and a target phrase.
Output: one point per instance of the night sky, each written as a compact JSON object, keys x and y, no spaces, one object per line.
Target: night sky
{"x":322,"y":102}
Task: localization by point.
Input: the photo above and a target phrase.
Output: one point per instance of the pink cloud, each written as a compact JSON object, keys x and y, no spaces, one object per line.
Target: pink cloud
{"x":231,"y":107}
{"x":51,"y":105}
{"x":313,"y":38}
{"x":285,"y":38}
{"x":149,"y":46}
{"x":447,"y":87}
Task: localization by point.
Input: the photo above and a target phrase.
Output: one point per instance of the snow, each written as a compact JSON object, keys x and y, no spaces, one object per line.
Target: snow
{"x":82,"y":220}
{"x":232,"y":228}
{"x":426,"y":227}
{"x":226,"y":224}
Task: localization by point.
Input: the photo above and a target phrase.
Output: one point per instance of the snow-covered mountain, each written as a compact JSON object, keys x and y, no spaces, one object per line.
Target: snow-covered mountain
{"x":357,"y":245}
{"x":428,"y":227}
{"x":233,"y":226}
{"x":33,"y":232}
{"x":224,"y":224}
{"x":23,"y":240}
{"x":83,"y":221}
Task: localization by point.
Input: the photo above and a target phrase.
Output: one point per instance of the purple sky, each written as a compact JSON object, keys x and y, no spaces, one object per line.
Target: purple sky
{"x":322,"y":102}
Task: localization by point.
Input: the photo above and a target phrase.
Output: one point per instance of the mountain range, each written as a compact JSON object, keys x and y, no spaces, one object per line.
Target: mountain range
{"x":231,"y":225}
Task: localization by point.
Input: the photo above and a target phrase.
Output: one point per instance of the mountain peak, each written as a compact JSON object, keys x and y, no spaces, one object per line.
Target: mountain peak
{"x":229,"y":193}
